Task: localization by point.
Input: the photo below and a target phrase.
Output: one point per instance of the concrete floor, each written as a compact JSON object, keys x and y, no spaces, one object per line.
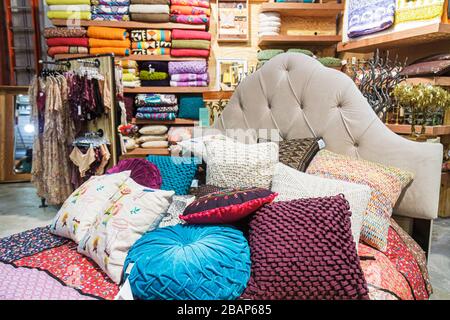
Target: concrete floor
{"x":19,"y":211}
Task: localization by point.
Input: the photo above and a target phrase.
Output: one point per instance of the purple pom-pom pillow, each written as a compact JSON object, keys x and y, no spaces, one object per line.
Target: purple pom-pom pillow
{"x":303,"y":250}
{"x":143,"y":172}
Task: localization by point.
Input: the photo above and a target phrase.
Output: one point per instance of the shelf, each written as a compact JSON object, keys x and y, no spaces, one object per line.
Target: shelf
{"x":304,"y":9}
{"x":436,"y":81}
{"x":319,"y":40}
{"x":166,"y":90}
{"x":429,"y":130}
{"x":130,"y":57}
{"x":410,"y":37}
{"x":130,"y":24}
{"x":141,"y":152}
{"x":177,"y":121}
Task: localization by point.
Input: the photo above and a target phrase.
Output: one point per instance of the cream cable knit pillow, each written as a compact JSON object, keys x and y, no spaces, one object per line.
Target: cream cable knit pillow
{"x":236,"y":165}
{"x":292,"y":184}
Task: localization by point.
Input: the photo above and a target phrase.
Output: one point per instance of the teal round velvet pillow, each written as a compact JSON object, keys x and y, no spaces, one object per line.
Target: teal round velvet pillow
{"x":189,"y":262}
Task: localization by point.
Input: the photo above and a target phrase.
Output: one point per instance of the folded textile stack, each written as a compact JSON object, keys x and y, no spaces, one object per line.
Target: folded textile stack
{"x":108,"y":40}
{"x":190,"y":11}
{"x":189,"y":43}
{"x":110,"y":10}
{"x":154,"y":74}
{"x":130,"y":74}
{"x":265,"y":55}
{"x":156,"y":106}
{"x":188,"y":73}
{"x":153,"y":137}
{"x":330,"y":62}
{"x":150,"y":42}
{"x":69,"y":9}
{"x":149,"y":10}
{"x":269,"y":24}
{"x":65,"y":40}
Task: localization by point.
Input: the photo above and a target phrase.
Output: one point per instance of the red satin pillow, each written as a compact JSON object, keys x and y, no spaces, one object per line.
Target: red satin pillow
{"x":226,"y":206}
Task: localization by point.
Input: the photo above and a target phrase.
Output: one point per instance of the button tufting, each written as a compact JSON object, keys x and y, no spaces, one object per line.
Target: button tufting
{"x":356,"y":145}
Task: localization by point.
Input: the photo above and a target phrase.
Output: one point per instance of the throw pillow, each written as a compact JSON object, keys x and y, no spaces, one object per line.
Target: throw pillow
{"x":177,"y":172}
{"x":132,"y":211}
{"x":303,"y":249}
{"x":237,"y":165}
{"x":189,"y":262}
{"x":298,"y":153}
{"x":226,"y":206}
{"x":196,"y":146}
{"x":141,"y":171}
{"x":386,"y":183}
{"x":153,"y":130}
{"x":291,"y":184}
{"x":73,"y":220}
{"x":204,"y":190}
{"x":179,"y":203}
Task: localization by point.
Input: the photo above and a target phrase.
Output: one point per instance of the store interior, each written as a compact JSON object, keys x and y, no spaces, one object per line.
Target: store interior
{"x":225,"y":150}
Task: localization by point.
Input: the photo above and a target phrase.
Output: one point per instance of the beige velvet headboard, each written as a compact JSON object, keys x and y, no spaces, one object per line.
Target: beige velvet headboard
{"x":301,"y":98}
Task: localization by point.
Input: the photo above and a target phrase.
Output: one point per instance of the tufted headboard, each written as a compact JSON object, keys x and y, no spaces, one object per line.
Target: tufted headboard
{"x":301,"y":98}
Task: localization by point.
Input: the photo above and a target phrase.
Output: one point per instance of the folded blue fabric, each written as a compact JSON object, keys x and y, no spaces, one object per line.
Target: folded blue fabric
{"x":189,"y":106}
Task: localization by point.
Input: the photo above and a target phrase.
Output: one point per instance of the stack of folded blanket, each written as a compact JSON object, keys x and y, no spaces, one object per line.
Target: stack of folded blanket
{"x":150,"y":10}
{"x":190,"y":11}
{"x":150,"y":42}
{"x":108,"y":40}
{"x":189,"y":43}
{"x":110,"y":10}
{"x":154,"y":74}
{"x":130,"y":74}
{"x":269,"y":24}
{"x":65,"y":40}
{"x":188,"y":73}
{"x":156,"y":106}
{"x":69,"y":9}
{"x":153,"y":136}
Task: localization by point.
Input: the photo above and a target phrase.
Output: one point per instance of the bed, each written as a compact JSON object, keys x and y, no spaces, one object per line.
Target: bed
{"x":297,"y":97}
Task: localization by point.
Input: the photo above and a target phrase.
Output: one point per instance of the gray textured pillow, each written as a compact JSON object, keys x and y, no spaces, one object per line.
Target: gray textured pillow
{"x":291,"y":184}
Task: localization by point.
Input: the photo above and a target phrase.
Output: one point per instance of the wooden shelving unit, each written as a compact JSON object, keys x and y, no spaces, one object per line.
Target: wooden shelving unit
{"x":415,"y":36}
{"x":436,"y":81}
{"x":429,"y":130}
{"x":130,"y":24}
{"x":177,"y":121}
{"x":166,"y":90}
{"x":282,"y":40}
{"x":130,"y":57}
{"x":142,"y":153}
{"x":330,"y":9}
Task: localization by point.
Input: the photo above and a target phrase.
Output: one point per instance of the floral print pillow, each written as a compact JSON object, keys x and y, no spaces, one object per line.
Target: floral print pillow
{"x":79,"y":211}
{"x":132,"y":211}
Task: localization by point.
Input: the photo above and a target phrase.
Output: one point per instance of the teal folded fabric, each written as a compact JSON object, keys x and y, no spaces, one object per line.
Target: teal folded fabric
{"x":268,"y":54}
{"x":189,"y":106}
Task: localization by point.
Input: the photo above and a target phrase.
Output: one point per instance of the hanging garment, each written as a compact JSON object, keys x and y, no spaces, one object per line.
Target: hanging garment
{"x":82,"y":160}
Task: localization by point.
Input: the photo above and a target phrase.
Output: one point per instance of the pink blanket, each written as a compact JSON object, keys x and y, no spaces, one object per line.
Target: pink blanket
{"x":190,"y":53}
{"x":179,"y":34}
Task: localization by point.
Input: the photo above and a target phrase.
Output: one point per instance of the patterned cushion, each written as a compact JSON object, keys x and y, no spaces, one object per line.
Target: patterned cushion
{"x":386,"y":183}
{"x":73,"y":220}
{"x":204,"y":190}
{"x":237,"y":165}
{"x":189,"y":262}
{"x":416,"y":251}
{"x":132,"y":211}
{"x":291,"y":184}
{"x":303,"y":249}
{"x":297,"y":153}
{"x":226,"y":206}
{"x":177,"y":172}
{"x":176,"y":208}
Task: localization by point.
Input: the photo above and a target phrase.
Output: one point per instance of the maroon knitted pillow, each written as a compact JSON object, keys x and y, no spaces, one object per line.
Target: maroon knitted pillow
{"x":303,"y":249}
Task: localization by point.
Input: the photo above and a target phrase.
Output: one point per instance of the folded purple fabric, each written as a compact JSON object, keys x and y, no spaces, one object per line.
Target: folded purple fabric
{"x":189,"y":83}
{"x":18,"y":283}
{"x":189,"y":77}
{"x":177,"y":67}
